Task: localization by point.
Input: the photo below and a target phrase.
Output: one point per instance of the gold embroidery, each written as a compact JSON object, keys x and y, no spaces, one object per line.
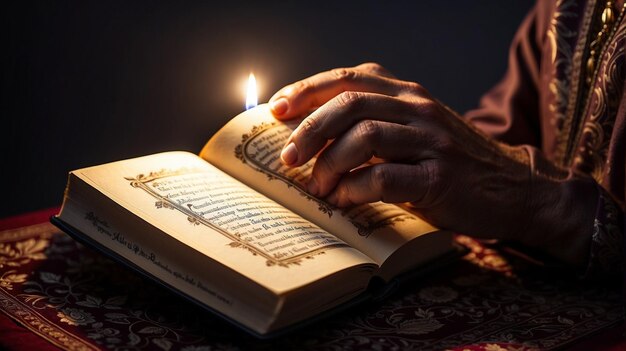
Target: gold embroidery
{"x":19,"y":247}
{"x":574,"y":93}
{"x":561,"y":53}
{"x":41,"y":326}
{"x":593,"y":142}
{"x":75,"y":316}
{"x":489,"y":306}
{"x":9,"y":278}
{"x":595,"y":98}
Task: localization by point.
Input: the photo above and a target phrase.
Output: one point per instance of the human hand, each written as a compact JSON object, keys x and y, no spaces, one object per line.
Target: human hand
{"x":451,"y":174}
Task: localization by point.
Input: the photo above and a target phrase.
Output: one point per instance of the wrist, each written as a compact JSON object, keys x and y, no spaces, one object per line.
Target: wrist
{"x":560,"y":211}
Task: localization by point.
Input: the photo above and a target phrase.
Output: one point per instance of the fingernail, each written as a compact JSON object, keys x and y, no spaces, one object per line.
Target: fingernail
{"x":289,"y":155}
{"x":279,"y":106}
{"x":312,"y":187}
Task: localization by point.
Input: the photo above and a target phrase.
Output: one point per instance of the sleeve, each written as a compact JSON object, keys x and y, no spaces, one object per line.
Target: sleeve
{"x":607,"y":244}
{"x":576,"y":223}
{"x":510,"y":111}
{"x":586,"y":222}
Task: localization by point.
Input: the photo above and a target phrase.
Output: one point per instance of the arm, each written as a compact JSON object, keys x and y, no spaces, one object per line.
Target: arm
{"x":510,"y":112}
{"x":452,"y":174}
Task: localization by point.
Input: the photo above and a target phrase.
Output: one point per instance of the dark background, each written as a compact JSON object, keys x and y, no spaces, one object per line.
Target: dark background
{"x":87,"y":82}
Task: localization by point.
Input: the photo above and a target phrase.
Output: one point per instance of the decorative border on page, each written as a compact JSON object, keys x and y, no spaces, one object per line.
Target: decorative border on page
{"x":141,"y":180}
{"x":241,"y":154}
{"x":364,"y":229}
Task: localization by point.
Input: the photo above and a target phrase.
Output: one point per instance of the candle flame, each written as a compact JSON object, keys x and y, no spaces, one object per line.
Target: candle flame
{"x":251,"y":94}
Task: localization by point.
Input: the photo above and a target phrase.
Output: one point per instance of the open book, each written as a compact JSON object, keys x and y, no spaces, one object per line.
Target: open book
{"x":234,"y":230}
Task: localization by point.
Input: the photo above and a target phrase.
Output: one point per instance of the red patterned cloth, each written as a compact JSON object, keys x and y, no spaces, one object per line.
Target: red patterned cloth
{"x":12,"y":335}
{"x":61,"y":293}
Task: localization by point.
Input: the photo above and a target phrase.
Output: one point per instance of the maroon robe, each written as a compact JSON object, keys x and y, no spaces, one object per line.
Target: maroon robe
{"x":571,"y":116}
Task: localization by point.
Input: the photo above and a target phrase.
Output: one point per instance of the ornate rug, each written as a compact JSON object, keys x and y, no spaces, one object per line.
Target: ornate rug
{"x":79,"y":300}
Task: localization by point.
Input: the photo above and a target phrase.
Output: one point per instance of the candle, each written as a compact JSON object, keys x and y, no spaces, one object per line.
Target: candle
{"x":251,"y":93}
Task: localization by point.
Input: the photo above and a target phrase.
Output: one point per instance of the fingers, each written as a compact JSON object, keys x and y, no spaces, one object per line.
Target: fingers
{"x":367,"y":139}
{"x":338,"y":116}
{"x":387,"y":182}
{"x":300,"y":97}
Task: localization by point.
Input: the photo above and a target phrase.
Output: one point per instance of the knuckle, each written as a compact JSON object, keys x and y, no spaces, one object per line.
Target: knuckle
{"x":413,"y":88}
{"x":325,"y":163}
{"x":435,"y":180}
{"x":371,"y":67}
{"x":368,"y":131}
{"x":382,"y":180}
{"x":445,"y":143}
{"x":302,"y":87}
{"x":345,"y":194}
{"x":344,"y":74}
{"x":427,"y":108}
{"x":351,"y":101}
{"x":309,"y":126}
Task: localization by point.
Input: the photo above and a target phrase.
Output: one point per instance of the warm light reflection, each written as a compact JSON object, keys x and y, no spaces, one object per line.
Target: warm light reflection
{"x":251,"y":93}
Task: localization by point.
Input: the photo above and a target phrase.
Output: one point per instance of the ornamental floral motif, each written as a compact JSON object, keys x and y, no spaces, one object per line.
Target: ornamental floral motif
{"x":89,"y":302}
{"x":9,"y":278}
{"x":22,"y":252}
{"x":75,"y":316}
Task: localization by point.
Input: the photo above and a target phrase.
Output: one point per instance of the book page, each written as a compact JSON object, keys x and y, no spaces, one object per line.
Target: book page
{"x":248,"y":148}
{"x":209,"y":211}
